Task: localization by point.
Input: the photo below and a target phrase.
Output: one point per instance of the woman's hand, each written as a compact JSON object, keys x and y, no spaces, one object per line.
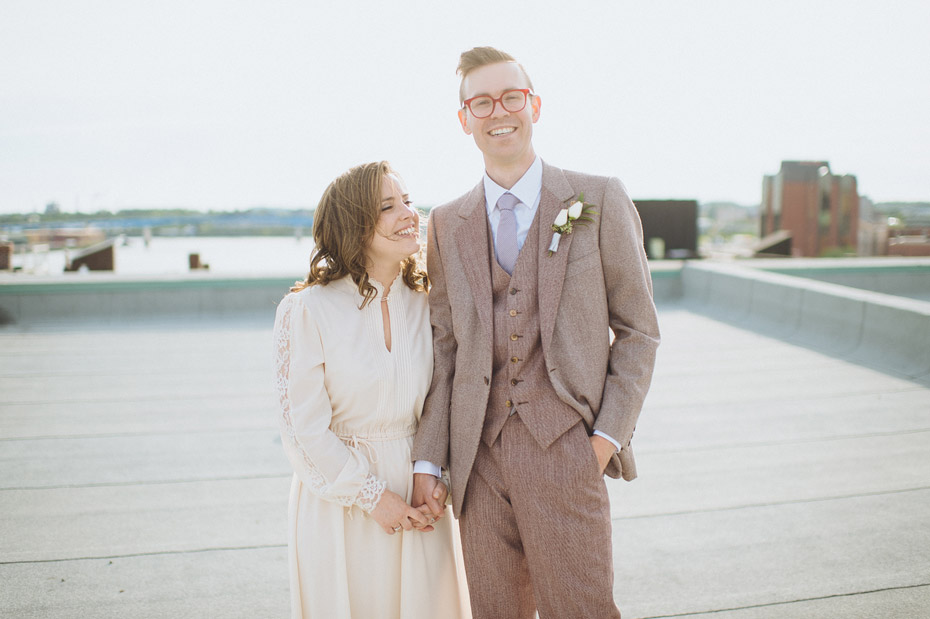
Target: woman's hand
{"x":431,"y":519}
{"x":394,"y":515}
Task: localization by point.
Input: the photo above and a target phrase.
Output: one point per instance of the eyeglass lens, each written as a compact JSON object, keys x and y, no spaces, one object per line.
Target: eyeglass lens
{"x":512,"y":101}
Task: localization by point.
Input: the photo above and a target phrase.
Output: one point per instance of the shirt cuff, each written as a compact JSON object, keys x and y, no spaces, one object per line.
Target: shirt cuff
{"x":601,"y":434}
{"x":425,"y":466}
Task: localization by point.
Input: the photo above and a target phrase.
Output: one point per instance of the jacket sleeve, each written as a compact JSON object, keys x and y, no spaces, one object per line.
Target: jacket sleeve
{"x":432,"y":439}
{"x":631,"y":313}
{"x":322,"y":461}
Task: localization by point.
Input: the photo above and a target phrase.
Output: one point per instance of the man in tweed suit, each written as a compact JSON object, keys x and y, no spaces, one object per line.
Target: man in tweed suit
{"x":543,"y":356}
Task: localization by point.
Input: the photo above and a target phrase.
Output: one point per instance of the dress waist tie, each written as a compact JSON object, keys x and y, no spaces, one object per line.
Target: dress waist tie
{"x":358,"y":443}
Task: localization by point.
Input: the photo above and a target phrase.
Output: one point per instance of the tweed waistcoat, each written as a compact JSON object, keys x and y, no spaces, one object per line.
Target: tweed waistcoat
{"x":520,"y":382}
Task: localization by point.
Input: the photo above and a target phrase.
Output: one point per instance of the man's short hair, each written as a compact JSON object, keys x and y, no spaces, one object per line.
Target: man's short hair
{"x":478,"y":57}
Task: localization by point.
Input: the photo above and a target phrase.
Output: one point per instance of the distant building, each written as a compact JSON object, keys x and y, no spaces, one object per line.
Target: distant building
{"x":911,"y":239}
{"x":6,"y":256}
{"x":670,"y":228}
{"x":775,"y":245}
{"x":819,"y":209}
{"x":99,"y":257}
{"x":910,"y":243}
{"x":873,"y":230}
{"x":58,"y":238}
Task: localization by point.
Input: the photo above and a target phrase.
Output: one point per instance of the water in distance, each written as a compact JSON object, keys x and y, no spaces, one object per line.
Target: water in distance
{"x":233,"y":256}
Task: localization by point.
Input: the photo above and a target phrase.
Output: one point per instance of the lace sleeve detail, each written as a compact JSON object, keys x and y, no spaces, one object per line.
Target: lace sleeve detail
{"x":282,"y":369}
{"x":310,"y":473}
{"x":370,"y":494}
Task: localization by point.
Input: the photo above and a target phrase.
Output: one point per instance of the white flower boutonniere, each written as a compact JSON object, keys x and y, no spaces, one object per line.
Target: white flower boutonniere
{"x":577,"y":213}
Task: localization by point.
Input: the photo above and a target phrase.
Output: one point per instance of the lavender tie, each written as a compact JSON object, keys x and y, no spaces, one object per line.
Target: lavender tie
{"x":506,"y":242}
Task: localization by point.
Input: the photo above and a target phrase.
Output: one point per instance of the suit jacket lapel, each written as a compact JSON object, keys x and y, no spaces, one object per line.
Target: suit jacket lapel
{"x":555,"y":192}
{"x":472,"y":240}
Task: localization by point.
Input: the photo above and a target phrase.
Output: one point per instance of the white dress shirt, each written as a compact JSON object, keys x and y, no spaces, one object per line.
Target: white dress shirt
{"x":528,"y":190}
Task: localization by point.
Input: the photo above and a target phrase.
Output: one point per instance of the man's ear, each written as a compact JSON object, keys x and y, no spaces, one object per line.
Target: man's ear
{"x":537,"y":105}
{"x":463,"y":118}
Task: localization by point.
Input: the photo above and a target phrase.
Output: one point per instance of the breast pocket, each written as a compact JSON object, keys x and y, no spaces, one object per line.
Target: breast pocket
{"x":582,"y":263}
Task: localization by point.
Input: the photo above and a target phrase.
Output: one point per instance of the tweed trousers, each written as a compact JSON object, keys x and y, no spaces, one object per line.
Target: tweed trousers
{"x":536,"y":529}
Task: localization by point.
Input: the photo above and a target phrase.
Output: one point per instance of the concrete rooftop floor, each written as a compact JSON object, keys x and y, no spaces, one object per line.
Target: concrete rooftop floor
{"x":141,"y":475}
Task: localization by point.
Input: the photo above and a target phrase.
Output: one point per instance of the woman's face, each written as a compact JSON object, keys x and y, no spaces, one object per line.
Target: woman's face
{"x":397,"y":233}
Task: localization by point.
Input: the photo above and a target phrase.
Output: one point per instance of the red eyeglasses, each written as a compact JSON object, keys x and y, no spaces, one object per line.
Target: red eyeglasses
{"x":512,"y":101}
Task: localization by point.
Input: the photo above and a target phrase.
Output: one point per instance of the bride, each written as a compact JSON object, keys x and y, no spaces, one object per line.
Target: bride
{"x":353,"y":361}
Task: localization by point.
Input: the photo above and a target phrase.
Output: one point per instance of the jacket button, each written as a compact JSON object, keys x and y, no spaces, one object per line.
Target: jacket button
{"x":513,"y":312}
{"x":514,"y":337}
{"x":487,"y":381}
{"x":513,"y":291}
{"x":508,"y":403}
{"x":514,"y":359}
{"x":514,"y":381}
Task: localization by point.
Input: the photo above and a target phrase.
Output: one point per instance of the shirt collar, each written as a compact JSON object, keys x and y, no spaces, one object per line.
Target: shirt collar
{"x":527,"y":189}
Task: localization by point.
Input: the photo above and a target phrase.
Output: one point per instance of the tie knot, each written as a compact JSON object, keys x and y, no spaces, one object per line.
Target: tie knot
{"x":507,"y":201}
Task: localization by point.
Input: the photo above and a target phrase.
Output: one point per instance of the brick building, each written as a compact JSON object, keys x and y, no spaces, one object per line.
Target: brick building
{"x":818,"y":208}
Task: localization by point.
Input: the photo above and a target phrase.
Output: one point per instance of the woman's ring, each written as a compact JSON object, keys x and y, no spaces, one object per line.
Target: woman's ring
{"x":397,"y":528}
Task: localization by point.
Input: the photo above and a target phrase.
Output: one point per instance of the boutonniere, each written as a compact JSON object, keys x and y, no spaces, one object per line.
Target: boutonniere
{"x":577,"y":213}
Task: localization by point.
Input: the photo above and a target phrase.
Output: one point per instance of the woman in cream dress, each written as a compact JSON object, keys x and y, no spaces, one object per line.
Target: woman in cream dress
{"x":353,"y":361}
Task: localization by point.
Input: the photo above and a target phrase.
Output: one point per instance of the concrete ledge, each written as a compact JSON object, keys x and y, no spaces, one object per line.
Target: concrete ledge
{"x":114,"y":300}
{"x":777,"y":304}
{"x":897,"y":334}
{"x":830,"y":319}
{"x":109,"y":299}
{"x":908,"y":277}
{"x":666,"y":280}
{"x":868,"y":327}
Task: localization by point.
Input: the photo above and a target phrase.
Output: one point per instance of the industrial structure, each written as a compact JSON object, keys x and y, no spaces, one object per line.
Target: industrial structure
{"x":818,"y":208}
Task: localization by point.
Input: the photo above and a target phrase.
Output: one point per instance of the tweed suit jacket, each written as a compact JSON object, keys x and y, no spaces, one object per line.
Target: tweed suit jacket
{"x":598,"y":322}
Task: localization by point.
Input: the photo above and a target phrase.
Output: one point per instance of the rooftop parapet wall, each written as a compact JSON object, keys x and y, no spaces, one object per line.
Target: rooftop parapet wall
{"x":907,"y":277}
{"x":111,"y":299}
{"x":872,"y":328}
{"x":875,"y":329}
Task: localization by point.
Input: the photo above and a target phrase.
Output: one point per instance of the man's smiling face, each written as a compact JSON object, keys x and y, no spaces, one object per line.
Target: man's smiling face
{"x":505,"y":138}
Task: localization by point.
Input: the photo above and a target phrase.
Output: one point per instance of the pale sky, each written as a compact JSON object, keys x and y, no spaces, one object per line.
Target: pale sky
{"x":226,"y":104}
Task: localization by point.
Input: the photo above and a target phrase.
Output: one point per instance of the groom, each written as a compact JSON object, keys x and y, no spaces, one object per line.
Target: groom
{"x":544,"y":349}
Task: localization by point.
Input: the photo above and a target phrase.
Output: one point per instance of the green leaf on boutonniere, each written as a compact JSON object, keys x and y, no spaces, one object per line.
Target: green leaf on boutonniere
{"x":577,"y":212}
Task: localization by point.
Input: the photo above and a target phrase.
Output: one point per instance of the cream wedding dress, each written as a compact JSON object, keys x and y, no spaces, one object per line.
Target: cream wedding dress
{"x":348,"y":412}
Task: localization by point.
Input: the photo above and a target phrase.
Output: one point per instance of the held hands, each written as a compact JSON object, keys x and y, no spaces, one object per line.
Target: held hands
{"x":430,"y":493}
{"x":394,"y":515}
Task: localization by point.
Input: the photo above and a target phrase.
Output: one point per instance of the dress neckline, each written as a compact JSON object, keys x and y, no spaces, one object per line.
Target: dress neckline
{"x":348,"y":285}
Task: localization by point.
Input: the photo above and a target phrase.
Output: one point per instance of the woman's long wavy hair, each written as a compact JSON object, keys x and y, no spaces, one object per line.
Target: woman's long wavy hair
{"x":343,"y":226}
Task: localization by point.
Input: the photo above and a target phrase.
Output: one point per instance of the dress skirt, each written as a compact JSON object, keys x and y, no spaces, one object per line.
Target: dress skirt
{"x":343,"y":564}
